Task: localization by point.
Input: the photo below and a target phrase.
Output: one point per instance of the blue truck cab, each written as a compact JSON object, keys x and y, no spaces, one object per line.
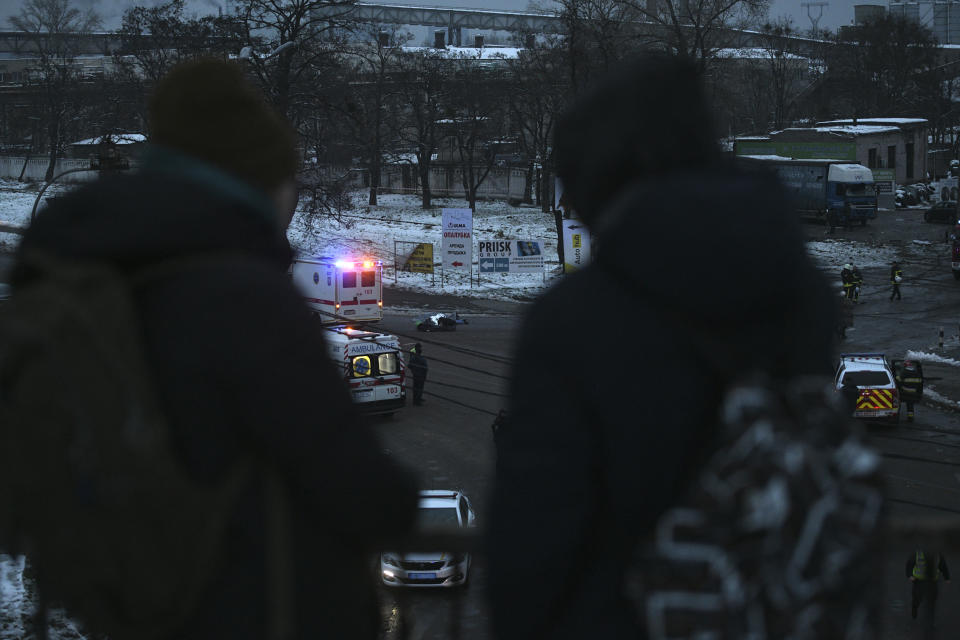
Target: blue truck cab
{"x":833,"y":192}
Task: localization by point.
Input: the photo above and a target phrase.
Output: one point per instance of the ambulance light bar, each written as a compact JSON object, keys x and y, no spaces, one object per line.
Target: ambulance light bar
{"x":350,"y":264}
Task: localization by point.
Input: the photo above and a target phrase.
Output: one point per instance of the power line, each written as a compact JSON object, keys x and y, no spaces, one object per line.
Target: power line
{"x":462,"y":404}
{"x":475,"y":390}
{"x":920,"y":504}
{"x":900,"y":456}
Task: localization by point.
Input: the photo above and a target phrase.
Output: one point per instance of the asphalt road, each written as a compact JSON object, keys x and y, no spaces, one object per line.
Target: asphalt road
{"x":449,"y":443}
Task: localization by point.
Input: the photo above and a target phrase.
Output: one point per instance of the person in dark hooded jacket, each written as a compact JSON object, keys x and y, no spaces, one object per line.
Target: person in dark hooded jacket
{"x":609,"y":420}
{"x":239,"y":364}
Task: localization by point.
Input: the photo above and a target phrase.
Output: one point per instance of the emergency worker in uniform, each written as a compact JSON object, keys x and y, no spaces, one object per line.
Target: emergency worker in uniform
{"x":856,"y":279}
{"x":896,"y":276}
{"x":909,"y":379}
{"x":846,"y":277}
{"x":924,"y":569}
{"x":418,"y":365}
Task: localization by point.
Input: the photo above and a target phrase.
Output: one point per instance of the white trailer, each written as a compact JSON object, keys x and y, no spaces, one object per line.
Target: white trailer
{"x":372,"y":366}
{"x":340,"y":290}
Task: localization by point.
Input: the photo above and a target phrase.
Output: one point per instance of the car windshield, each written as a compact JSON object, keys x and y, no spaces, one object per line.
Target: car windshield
{"x":866,"y":378}
{"x":442,"y":518}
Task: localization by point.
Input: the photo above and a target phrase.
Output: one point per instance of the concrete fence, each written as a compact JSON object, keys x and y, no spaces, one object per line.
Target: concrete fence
{"x":11,"y":167}
{"x":500,"y":183}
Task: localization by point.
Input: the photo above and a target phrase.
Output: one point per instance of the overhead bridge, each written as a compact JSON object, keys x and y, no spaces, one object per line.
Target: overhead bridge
{"x":454,"y":20}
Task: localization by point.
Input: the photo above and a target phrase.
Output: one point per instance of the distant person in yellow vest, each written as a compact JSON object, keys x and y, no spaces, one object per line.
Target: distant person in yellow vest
{"x":925,"y":569}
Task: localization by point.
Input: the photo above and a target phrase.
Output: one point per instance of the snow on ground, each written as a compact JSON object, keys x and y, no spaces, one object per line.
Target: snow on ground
{"x":833,"y":254}
{"x":930,"y":395}
{"x":370,"y":231}
{"x":924,"y":356}
{"x":18,"y":606}
{"x":366,"y":231}
{"x":13,"y":606}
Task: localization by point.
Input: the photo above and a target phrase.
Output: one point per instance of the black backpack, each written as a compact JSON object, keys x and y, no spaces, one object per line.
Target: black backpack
{"x":778,"y":536}
{"x":115,"y":530}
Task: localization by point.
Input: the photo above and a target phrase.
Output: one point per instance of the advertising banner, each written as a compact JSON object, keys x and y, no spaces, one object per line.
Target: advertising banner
{"x":527,"y":256}
{"x":420,"y":259}
{"x":493,"y":256}
{"x":576,"y":245}
{"x":510,"y":256}
{"x":457,"y":248}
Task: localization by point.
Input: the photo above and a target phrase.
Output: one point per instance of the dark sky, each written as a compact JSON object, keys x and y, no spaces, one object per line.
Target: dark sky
{"x":838,"y":12}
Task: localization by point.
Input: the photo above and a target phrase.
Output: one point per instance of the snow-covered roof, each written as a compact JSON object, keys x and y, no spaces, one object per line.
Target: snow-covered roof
{"x":766,"y":157}
{"x":798,"y":160}
{"x":852,"y":129}
{"x":754,"y":53}
{"x":870,"y":121}
{"x":487,"y":52}
{"x":120,"y":138}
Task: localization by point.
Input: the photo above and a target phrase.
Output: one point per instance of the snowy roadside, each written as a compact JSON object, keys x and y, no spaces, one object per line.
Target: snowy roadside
{"x":373,"y":231}
{"x":18,"y":606}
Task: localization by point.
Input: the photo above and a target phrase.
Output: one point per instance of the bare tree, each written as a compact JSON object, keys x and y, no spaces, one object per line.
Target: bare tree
{"x":476,"y":121}
{"x":694,"y":29}
{"x":300,"y":36}
{"x":539,"y":92}
{"x":54,"y":29}
{"x":421,"y":80}
{"x":597,"y":34}
{"x":375,"y":61}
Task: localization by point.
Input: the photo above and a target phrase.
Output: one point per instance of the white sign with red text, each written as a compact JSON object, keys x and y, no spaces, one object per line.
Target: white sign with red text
{"x":457,"y":247}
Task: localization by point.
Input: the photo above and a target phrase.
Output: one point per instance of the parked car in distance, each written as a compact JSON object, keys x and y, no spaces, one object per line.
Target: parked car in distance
{"x":872,"y":377}
{"x":944,"y":211}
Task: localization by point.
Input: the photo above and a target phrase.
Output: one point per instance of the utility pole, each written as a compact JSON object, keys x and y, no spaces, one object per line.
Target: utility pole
{"x":809,"y":6}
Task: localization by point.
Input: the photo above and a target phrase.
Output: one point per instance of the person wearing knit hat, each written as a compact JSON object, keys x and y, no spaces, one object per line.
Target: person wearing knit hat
{"x":237,"y":362}
{"x":711,"y":272}
{"x":208,"y":111}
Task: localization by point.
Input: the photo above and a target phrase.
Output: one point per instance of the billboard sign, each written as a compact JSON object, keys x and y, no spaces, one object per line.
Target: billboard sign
{"x":420,"y":259}
{"x":493,"y":256}
{"x":576,"y":245}
{"x":510,"y":256}
{"x":457,"y":247}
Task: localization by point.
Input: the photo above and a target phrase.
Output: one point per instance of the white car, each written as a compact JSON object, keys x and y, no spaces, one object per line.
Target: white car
{"x":872,"y":375}
{"x":438,"y":510}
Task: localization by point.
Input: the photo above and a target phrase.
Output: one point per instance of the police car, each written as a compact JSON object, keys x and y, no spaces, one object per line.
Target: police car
{"x":438,"y":510}
{"x":877,"y":396}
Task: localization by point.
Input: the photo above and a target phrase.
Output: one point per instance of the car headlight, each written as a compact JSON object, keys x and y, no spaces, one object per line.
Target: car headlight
{"x":456,"y":559}
{"x":391,"y":559}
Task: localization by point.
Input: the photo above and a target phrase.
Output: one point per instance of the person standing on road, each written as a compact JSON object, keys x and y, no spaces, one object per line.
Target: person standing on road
{"x":924,"y":569}
{"x":896,"y":277}
{"x":584,"y":471}
{"x":846,"y":277}
{"x":418,"y":366}
{"x":856,"y":279}
{"x":207,"y":212}
{"x":909,"y":379}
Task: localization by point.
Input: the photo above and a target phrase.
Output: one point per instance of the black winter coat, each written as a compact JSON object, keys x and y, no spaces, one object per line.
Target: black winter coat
{"x":617,"y":382}
{"x":240,"y":366}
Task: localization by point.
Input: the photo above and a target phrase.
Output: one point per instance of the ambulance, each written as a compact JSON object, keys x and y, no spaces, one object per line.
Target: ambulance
{"x":872,"y":375}
{"x":340,"y":290}
{"x":372,"y":367}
